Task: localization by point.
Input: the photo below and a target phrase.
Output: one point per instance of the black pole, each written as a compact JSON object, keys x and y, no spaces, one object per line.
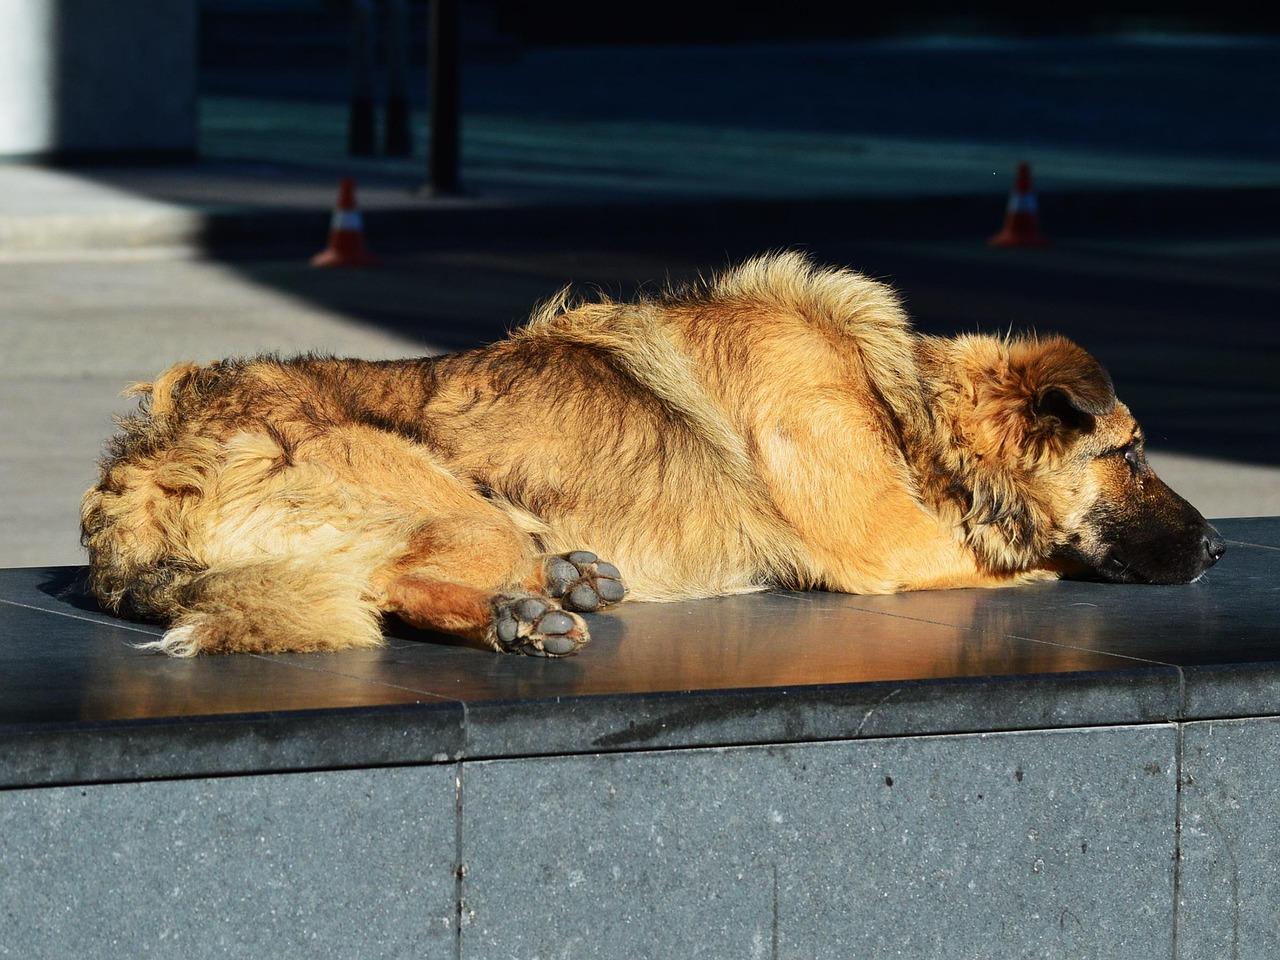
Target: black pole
{"x":360,"y":116}
{"x":397,"y":141}
{"x":442,"y":73}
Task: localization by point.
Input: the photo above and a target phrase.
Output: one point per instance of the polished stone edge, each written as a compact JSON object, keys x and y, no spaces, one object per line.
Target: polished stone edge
{"x":232,"y":745}
{"x":447,"y":731}
{"x":714,"y":718}
{"x":1231,"y":691}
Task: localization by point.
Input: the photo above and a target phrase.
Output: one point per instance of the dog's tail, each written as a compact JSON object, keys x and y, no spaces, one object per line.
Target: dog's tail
{"x":267,"y":606}
{"x":260,"y":605}
{"x":146,"y":527}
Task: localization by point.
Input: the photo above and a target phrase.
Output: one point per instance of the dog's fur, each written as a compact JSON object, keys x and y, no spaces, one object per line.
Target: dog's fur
{"x":779,"y":425}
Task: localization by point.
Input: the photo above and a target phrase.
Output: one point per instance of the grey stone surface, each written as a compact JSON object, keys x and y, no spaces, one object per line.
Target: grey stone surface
{"x":1229,"y":891}
{"x":353,"y":864}
{"x":80,"y":704}
{"x":1232,"y":690}
{"x":258,"y":743}
{"x":1037,"y":844}
{"x":792,"y":714}
{"x":1248,"y":683}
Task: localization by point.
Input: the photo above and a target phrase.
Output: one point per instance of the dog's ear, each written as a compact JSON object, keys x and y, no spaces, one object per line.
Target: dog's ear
{"x":1028,"y":396}
{"x":1065,"y":386}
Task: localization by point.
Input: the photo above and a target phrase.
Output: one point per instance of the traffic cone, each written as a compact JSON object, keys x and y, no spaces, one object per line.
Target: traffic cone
{"x":1022,"y":215}
{"x":346,"y":234}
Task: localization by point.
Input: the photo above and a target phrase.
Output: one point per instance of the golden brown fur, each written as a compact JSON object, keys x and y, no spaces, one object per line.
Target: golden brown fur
{"x":779,"y":425}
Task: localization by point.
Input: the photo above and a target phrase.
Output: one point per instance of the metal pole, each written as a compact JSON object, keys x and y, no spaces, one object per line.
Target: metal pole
{"x":442,"y":71}
{"x":397,"y":140}
{"x":360,"y":116}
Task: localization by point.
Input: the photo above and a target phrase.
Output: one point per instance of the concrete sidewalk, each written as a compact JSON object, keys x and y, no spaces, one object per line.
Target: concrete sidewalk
{"x":917,"y":135}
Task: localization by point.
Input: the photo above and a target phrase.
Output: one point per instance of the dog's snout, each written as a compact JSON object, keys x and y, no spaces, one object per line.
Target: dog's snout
{"x":1214,"y":545}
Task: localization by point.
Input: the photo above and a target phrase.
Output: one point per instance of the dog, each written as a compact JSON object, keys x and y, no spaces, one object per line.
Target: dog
{"x":779,"y":424}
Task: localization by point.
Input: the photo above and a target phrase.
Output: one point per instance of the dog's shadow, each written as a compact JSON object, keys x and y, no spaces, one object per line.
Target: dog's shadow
{"x":70,"y":586}
{"x":393,"y":628}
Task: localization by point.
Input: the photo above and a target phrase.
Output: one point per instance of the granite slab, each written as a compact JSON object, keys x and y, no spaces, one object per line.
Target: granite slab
{"x":80,"y":703}
{"x":1047,"y":844}
{"x":338,"y":864}
{"x":1230,"y":875}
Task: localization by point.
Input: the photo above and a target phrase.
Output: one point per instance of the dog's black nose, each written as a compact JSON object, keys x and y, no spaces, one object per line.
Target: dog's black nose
{"x":1214,"y":546}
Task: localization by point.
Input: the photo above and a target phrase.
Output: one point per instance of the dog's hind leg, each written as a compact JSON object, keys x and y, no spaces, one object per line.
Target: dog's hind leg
{"x":539,"y":620}
{"x":474,"y":574}
{"x":507,"y":622}
{"x":443,"y":555}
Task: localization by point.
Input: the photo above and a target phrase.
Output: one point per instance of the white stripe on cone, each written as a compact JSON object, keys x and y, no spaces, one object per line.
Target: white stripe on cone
{"x":346,"y":220}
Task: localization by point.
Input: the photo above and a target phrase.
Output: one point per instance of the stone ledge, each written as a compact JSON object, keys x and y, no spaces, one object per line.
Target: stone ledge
{"x":80,"y":704}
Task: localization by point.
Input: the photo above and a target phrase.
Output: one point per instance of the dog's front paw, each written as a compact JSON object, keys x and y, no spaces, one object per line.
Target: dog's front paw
{"x":582,"y":581}
{"x":535,"y":627}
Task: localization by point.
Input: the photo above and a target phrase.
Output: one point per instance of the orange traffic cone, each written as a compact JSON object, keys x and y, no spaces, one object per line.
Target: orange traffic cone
{"x":346,"y":234}
{"x":1022,"y":215}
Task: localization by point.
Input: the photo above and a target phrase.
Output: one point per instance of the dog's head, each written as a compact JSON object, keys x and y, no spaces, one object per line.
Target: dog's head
{"x":1054,"y":470}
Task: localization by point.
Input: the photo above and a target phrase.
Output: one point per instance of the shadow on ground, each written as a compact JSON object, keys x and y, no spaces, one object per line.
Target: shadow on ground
{"x":1186,"y":327}
{"x":1185,"y":324}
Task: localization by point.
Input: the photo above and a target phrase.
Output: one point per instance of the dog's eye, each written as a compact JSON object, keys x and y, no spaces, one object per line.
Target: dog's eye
{"x":1133,"y":457}
{"x":1131,"y":453}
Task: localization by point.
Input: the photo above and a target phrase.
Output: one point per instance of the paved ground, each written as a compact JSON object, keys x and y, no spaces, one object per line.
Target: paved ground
{"x":1157,"y":166}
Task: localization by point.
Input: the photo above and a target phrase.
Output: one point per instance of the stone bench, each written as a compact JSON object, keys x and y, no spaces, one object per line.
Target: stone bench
{"x":1067,"y":770}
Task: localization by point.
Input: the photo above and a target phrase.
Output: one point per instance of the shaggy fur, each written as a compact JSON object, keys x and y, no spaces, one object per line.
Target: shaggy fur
{"x":778,"y":425}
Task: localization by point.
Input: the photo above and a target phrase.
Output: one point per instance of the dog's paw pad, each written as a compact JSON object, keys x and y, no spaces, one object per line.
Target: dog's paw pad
{"x":536,"y":627}
{"x":583,"y":582}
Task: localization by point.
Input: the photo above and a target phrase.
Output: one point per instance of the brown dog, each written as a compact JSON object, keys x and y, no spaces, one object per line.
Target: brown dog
{"x":780,"y":425}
